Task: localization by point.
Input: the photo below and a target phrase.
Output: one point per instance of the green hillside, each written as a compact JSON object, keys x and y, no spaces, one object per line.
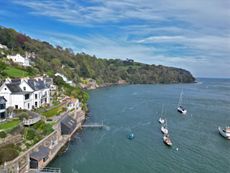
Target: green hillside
{"x":50,"y":59}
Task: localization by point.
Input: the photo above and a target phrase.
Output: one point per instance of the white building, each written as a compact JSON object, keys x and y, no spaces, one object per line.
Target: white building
{"x":73,"y":104}
{"x":19,"y":59}
{"x":3,"y":46}
{"x":65,"y":79}
{"x":41,"y":94}
{"x":25,"y":94}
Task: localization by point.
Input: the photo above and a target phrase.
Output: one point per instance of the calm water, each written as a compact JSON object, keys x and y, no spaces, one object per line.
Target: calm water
{"x":137,"y":108}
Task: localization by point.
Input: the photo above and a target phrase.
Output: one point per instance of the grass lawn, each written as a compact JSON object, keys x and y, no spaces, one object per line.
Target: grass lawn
{"x":53,"y":111}
{"x":9,"y":125}
{"x":15,"y":72}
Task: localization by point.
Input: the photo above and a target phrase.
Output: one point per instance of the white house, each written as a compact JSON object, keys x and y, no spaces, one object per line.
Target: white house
{"x":3,"y":46}
{"x":24,"y":61}
{"x":73,"y":104}
{"x":41,"y":94}
{"x":25,"y":94}
{"x":18,"y":94}
{"x":65,"y":79}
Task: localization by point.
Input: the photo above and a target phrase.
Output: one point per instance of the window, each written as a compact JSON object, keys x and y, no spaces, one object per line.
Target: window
{"x":2,"y":115}
{"x":45,"y":158}
{"x":2,"y":106}
{"x":5,"y":88}
{"x":28,"y":106}
{"x":16,"y":106}
{"x":36,"y":96}
{"x":27,"y":96}
{"x":36,"y":104}
{"x":24,"y":88}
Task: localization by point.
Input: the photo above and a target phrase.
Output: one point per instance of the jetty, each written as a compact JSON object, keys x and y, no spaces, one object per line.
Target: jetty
{"x":47,"y":170}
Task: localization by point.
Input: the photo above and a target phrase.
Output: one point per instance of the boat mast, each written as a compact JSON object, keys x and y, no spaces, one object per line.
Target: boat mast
{"x":180,"y":99}
{"x":162,"y":107}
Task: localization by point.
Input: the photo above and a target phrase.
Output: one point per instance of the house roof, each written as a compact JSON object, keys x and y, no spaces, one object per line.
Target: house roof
{"x":40,"y":154}
{"x":36,"y":84}
{"x":69,"y":122}
{"x":14,"y":87}
{"x":2,"y":100}
{"x":16,"y":81}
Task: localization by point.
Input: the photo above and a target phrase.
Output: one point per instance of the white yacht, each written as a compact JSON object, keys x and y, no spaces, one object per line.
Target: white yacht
{"x":180,"y":108}
{"x":224,"y":132}
{"x":161,"y":120}
{"x":164,"y":130}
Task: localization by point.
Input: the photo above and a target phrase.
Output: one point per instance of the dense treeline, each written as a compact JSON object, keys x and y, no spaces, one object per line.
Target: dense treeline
{"x":50,"y":59}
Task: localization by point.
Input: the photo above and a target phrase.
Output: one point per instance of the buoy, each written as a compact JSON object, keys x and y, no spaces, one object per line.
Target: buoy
{"x":131,"y":136}
{"x":177,"y":149}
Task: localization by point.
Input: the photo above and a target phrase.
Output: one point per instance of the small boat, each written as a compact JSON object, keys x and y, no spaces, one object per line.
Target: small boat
{"x":161,"y":120}
{"x":180,"y":108}
{"x":224,"y":132}
{"x":167,"y":140}
{"x":131,"y":136}
{"x":164,"y":130}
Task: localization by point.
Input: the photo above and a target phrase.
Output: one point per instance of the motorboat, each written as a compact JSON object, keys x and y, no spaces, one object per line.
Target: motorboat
{"x":224,"y":132}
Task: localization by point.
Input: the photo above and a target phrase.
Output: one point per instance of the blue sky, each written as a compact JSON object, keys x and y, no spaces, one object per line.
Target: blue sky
{"x":190,"y":34}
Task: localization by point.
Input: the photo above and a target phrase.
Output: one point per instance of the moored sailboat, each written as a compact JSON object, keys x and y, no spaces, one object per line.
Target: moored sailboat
{"x":161,"y":120}
{"x":167,"y":140}
{"x":224,"y":132}
{"x":164,"y":128}
{"x":180,"y":108}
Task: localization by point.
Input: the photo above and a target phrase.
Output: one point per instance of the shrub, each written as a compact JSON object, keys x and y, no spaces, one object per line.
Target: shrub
{"x":23,"y":115}
{"x":8,"y":152}
{"x":3,"y":134}
{"x":30,"y":134}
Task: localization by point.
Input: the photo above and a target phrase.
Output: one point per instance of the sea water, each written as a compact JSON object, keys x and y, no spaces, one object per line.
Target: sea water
{"x":197,"y":145}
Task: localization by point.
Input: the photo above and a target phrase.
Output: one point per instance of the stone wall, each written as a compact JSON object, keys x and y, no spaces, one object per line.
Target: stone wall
{"x":54,"y":142}
{"x":11,"y":139}
{"x":21,"y":163}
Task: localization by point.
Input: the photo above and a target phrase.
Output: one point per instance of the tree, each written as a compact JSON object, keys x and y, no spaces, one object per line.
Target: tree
{"x":3,"y":67}
{"x":10,"y":110}
{"x":23,"y":115}
{"x":58,"y":80}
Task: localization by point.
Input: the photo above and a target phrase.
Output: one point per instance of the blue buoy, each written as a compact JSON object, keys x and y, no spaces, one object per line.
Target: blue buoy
{"x":131,"y":136}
